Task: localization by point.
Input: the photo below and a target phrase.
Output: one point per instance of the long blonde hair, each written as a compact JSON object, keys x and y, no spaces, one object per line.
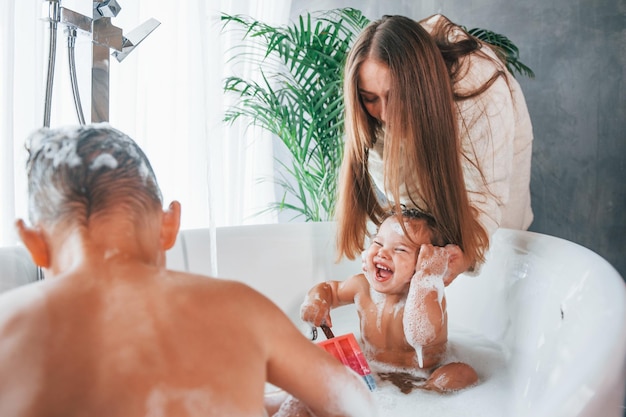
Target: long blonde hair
{"x":420,"y":109}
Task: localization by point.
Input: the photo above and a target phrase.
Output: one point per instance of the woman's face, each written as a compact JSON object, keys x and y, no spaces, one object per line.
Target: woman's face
{"x":374,"y":83}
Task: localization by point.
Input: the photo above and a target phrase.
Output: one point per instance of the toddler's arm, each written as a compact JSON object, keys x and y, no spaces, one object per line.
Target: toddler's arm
{"x":317,"y":304}
{"x":322,"y":384}
{"x":327,"y":295}
{"x":424,"y":311}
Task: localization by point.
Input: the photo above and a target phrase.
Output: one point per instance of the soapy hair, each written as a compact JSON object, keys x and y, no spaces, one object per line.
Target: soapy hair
{"x":420,"y":132}
{"x":75,"y":173}
{"x":412,"y":214}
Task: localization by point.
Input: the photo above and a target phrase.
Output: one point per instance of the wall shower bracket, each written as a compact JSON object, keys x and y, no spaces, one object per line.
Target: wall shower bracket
{"x":105,"y":36}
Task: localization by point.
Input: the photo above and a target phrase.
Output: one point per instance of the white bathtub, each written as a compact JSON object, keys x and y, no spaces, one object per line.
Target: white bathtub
{"x":544,"y":324}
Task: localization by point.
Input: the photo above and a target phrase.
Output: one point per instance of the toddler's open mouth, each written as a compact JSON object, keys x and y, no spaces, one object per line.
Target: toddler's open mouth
{"x":383,"y":273}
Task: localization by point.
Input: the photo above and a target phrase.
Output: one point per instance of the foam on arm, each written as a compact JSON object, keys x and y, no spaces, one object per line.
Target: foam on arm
{"x":424,"y":313}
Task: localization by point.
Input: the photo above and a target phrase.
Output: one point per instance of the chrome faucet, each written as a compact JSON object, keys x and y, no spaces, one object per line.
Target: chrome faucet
{"x":105,"y":36}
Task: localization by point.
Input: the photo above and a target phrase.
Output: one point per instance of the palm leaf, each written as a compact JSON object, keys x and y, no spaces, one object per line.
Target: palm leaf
{"x":508,"y":50}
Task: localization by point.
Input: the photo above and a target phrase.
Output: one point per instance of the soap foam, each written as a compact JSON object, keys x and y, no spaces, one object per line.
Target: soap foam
{"x":103,"y":160}
{"x":489,"y":398}
{"x":195,"y":402}
{"x":379,"y":301}
{"x":418,"y":329}
{"x":65,"y":153}
{"x":346,"y":396}
{"x":397,"y":228}
{"x":398,"y":307}
{"x":313,"y":304}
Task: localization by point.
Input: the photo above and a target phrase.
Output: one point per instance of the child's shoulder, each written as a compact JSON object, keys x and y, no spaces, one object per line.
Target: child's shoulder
{"x":228,"y":291}
{"x":358,"y":282}
{"x":204,"y":282}
{"x":22,"y":306}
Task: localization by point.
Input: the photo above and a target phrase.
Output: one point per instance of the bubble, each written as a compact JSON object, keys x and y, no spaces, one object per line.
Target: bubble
{"x":65,"y":154}
{"x":103,"y":160}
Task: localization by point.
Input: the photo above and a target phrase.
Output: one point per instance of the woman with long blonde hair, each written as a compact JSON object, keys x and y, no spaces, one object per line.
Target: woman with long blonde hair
{"x":433,"y":121}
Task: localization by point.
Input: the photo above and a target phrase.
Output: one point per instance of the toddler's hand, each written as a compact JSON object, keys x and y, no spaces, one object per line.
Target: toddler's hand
{"x":457,"y":263}
{"x":315,"y":311}
{"x":432,"y":260}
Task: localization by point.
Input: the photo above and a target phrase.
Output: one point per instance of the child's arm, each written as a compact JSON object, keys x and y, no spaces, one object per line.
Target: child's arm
{"x":328,"y":295}
{"x":424,"y":311}
{"x":326,"y":386}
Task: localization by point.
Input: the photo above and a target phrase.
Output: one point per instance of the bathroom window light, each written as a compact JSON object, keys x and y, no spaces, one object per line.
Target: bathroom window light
{"x":167,"y":95}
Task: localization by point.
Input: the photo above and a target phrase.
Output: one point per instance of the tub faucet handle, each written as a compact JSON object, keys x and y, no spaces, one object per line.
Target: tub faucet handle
{"x":135,"y":37}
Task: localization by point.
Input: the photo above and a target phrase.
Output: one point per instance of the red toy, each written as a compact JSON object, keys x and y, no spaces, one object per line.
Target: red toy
{"x":347,"y":350}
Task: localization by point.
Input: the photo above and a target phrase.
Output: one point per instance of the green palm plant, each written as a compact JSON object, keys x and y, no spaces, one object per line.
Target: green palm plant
{"x":298,"y":97}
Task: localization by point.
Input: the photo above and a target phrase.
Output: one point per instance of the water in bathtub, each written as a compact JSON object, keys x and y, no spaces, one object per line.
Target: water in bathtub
{"x":399,"y":392}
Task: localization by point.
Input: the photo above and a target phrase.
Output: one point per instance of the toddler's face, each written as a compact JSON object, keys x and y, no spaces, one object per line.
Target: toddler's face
{"x":390,"y":260}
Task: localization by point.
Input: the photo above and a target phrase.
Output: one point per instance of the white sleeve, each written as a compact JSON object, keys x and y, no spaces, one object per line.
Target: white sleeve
{"x":487,"y":131}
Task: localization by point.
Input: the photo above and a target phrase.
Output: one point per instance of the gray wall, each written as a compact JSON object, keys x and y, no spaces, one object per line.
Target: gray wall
{"x":577,"y":49}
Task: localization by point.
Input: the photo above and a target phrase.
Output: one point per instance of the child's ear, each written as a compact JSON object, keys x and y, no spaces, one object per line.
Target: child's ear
{"x":35,"y":242}
{"x":170,"y":224}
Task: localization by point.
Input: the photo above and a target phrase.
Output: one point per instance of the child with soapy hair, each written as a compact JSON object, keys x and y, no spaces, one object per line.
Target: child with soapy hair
{"x":400,"y":302}
{"x":111,"y":331}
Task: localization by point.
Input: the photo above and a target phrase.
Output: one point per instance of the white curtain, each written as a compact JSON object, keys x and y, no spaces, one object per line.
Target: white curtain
{"x":167,"y":95}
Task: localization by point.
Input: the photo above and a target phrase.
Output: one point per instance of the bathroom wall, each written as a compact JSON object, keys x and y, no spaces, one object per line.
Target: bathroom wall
{"x":577,"y":104}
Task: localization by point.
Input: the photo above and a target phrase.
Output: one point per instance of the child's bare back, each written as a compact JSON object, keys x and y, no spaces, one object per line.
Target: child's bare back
{"x":104,"y":344}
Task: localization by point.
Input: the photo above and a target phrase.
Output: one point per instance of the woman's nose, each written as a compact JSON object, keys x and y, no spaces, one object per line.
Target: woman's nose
{"x":382,"y":114}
